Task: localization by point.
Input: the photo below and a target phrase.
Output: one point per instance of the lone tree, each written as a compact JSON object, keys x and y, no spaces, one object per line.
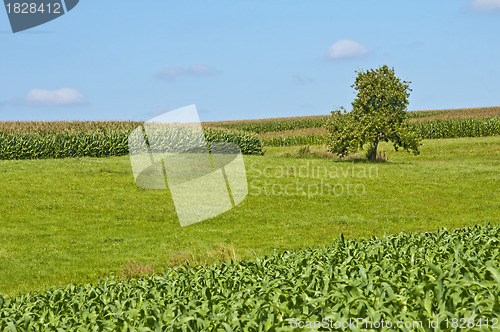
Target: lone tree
{"x":378,"y":114}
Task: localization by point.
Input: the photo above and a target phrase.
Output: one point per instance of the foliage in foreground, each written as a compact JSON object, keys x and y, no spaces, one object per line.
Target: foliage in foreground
{"x":406,"y":277}
{"x":37,"y":140}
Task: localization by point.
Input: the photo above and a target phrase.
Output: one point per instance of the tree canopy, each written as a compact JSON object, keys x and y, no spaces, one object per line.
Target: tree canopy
{"x":378,"y":114}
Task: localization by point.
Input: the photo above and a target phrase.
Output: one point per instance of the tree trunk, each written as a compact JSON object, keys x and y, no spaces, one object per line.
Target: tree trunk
{"x":373,"y":156}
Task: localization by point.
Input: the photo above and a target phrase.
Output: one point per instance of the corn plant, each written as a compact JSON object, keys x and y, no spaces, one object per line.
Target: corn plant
{"x":441,"y":276}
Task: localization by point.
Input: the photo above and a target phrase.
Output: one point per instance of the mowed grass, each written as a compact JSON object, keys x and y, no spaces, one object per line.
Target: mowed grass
{"x":78,"y":219}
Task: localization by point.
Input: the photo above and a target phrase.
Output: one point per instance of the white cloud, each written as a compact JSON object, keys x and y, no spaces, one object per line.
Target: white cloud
{"x":485,"y":5}
{"x":346,"y":49}
{"x":193,"y":70}
{"x":60,"y":97}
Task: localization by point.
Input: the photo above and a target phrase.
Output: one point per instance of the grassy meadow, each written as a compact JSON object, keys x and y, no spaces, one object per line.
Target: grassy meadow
{"x":77,"y":219}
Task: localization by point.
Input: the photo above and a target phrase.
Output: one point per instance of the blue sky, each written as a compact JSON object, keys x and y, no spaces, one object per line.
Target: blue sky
{"x":118,"y":60}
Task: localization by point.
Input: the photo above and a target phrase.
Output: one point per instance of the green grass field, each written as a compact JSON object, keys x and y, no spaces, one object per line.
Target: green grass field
{"x":77,"y":219}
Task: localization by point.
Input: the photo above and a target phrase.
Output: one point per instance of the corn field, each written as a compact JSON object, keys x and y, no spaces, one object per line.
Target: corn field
{"x":273,"y":125}
{"x":282,"y":124}
{"x":35,"y":140}
{"x":295,"y":140}
{"x":445,"y":276}
{"x":449,"y":128}
{"x":452,"y":128}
